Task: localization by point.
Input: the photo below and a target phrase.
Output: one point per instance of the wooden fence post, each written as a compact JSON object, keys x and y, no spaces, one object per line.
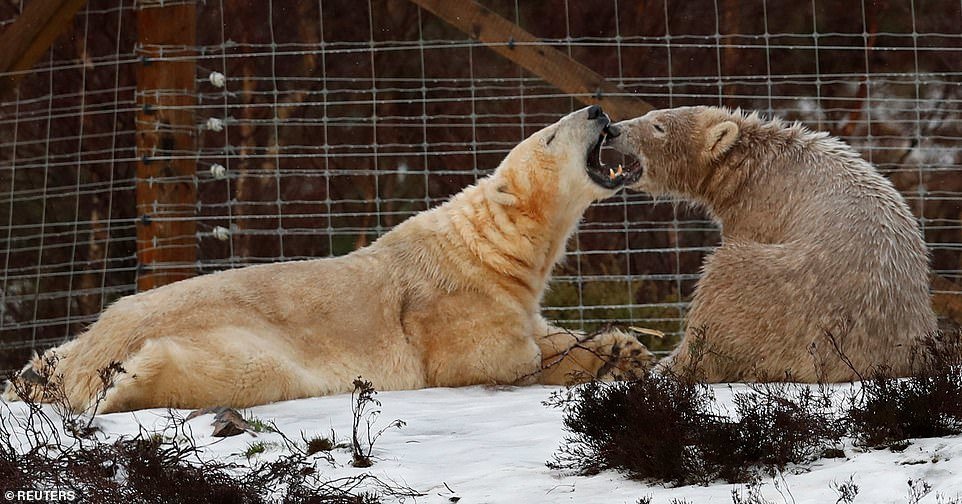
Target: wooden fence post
{"x":166,"y":144}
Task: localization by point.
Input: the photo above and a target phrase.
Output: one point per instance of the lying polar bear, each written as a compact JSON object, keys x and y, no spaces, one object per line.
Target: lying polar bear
{"x":449,"y":297}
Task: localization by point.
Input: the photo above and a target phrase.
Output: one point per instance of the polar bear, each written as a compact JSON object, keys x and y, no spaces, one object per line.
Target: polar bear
{"x":822,"y":273}
{"x":449,"y":297}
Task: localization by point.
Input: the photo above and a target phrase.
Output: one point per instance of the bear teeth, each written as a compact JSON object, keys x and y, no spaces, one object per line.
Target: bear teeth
{"x":612,"y":174}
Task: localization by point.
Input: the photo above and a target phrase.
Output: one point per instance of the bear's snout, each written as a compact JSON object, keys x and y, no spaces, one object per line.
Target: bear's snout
{"x":618,"y":140}
{"x":594,"y":112}
{"x":611,"y":132}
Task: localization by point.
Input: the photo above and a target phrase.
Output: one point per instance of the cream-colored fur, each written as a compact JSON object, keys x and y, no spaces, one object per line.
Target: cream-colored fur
{"x":449,"y":297}
{"x":814,"y":242}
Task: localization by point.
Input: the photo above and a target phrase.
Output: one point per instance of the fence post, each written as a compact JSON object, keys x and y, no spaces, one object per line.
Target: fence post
{"x":166,"y":143}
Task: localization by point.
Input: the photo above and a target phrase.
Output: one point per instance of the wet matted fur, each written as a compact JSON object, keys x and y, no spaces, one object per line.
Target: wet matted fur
{"x":818,"y":248}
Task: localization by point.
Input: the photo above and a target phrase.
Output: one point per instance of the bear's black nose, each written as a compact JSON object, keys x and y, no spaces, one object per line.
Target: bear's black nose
{"x":594,"y":112}
{"x":612,"y":131}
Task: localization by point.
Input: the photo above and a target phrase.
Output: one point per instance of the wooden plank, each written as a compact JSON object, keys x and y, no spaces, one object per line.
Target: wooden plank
{"x":523,"y":48}
{"x":29,"y":37}
{"x":166,"y":140}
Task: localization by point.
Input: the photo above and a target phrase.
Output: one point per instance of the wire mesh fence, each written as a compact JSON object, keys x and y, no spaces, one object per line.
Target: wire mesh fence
{"x":313,"y":128}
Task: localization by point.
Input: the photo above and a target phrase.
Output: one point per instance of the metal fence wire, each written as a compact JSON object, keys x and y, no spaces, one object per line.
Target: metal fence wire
{"x":314,"y":127}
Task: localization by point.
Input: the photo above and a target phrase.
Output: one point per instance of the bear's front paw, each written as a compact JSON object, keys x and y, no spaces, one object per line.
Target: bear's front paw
{"x":623,"y":356}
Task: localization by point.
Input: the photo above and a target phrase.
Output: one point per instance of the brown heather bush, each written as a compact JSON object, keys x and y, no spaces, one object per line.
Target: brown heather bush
{"x":668,"y":428}
{"x":888,"y":411}
{"x":642,"y":427}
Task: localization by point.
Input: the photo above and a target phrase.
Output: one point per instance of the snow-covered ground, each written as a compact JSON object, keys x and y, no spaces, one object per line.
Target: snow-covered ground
{"x":490,"y":446}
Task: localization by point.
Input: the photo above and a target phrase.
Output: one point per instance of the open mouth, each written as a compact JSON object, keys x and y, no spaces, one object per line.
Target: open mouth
{"x":614,"y":173}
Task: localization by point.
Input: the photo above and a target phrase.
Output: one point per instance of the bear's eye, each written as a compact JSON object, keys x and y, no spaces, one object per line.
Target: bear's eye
{"x":551,"y":138}
{"x":659,"y":128}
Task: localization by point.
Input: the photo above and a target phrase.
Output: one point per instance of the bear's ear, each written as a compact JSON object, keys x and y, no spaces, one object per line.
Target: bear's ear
{"x":720,"y":138}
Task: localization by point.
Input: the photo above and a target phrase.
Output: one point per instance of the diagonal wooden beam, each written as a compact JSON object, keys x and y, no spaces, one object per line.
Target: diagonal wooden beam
{"x":25,"y":41}
{"x":523,"y":48}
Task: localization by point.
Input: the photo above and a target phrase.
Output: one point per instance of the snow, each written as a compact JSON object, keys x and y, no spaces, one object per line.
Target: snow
{"x":490,"y":445}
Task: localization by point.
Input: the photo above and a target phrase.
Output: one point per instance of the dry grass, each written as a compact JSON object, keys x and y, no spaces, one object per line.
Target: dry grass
{"x":44,"y":450}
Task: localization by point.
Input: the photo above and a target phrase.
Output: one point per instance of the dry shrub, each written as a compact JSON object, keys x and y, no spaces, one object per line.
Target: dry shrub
{"x":642,"y":427}
{"x":667,"y":427}
{"x":362,"y":399}
{"x":889,"y":410}
{"x":42,"y":451}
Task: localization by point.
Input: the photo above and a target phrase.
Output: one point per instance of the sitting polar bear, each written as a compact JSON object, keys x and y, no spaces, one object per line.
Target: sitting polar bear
{"x":449,"y":297}
{"x":822,"y":273}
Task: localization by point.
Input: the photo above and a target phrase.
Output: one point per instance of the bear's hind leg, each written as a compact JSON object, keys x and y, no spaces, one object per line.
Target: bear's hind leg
{"x":233,"y":372}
